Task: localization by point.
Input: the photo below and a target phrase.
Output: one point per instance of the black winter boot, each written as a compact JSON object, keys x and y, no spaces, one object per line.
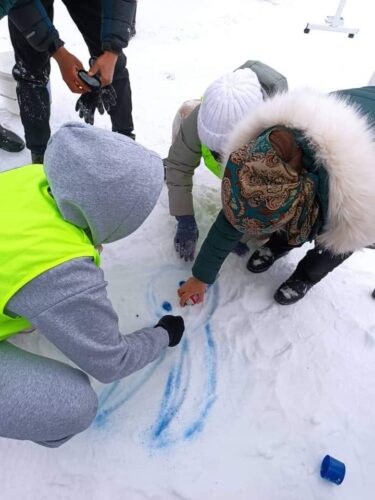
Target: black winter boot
{"x":292,"y":290}
{"x":263,"y":259}
{"x":373,"y":293}
{"x":37,"y":159}
{"x":10,"y":142}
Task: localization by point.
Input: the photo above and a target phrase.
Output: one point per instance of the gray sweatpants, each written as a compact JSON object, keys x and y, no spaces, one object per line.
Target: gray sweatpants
{"x":42,"y":400}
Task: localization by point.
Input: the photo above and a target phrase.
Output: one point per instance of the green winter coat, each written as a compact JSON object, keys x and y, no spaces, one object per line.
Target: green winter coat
{"x":223,"y":237}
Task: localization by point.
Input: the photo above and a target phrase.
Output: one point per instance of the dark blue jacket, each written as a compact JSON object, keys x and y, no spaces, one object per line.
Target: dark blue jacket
{"x":31,"y":18}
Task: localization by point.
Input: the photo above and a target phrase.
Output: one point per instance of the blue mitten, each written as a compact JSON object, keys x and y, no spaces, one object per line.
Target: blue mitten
{"x":186,"y":236}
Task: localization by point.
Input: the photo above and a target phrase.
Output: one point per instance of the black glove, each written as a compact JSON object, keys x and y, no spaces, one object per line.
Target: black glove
{"x":175,"y":327}
{"x":87,"y":105}
{"x":109,"y":97}
{"x":186,"y":236}
{"x":102,"y":99}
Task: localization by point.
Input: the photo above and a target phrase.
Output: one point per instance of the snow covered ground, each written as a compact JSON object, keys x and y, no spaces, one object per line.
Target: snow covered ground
{"x":257,"y":393}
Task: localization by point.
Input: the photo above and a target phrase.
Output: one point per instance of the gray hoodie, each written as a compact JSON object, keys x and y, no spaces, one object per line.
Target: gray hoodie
{"x":106,"y":184}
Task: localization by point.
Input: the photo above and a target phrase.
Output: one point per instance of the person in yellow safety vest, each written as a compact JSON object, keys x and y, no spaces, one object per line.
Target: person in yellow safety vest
{"x":95,"y":187}
{"x":201,"y":129}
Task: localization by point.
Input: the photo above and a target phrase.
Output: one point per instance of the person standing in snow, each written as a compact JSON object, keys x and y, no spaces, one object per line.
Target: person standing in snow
{"x":301,"y":168}
{"x":201,"y":129}
{"x":52,"y":220}
{"x":106,"y":28}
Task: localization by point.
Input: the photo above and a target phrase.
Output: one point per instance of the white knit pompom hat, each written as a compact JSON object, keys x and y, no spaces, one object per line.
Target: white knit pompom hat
{"x":226,"y":101}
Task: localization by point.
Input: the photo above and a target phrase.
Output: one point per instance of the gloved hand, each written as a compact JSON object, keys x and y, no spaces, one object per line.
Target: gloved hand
{"x":102,"y":99}
{"x":87,"y":105}
{"x":186,"y":236}
{"x":175,"y":327}
{"x":109,"y":97}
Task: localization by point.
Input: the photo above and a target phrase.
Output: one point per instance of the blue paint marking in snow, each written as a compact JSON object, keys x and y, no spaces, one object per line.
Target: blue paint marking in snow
{"x":211,"y":384}
{"x":177,"y":386}
{"x":167,"y":306}
{"x":174,"y":394}
{"x":110,"y":392}
{"x":115,"y":390}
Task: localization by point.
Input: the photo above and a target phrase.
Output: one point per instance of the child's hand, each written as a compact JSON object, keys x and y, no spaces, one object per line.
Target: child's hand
{"x":192,"y":287}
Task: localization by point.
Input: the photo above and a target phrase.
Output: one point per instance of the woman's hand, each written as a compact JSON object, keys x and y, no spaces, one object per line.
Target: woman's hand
{"x":192,"y":287}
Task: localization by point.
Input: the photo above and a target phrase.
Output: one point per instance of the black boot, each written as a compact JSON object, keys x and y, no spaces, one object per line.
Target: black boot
{"x":37,"y":159}
{"x":10,"y":142}
{"x":373,"y":293}
{"x":262,"y":259}
{"x":292,"y":290}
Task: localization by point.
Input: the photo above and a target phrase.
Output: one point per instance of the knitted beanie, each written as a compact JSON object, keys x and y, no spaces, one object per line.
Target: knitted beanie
{"x":225,"y":102}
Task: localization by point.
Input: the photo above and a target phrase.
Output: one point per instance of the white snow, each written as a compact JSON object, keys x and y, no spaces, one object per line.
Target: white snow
{"x":257,"y":394}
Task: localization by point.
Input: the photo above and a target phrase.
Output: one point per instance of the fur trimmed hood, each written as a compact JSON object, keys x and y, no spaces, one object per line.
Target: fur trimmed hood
{"x":343,"y":142}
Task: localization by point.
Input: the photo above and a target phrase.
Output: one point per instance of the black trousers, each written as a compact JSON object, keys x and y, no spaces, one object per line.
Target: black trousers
{"x":314,"y":266}
{"x":32,"y":70}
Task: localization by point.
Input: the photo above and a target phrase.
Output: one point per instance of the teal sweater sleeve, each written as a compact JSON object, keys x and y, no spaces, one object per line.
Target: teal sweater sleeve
{"x":220,"y":241}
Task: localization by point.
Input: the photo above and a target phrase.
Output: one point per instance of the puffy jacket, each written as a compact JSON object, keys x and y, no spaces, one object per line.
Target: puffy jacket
{"x":185,"y":153}
{"x":5,"y":6}
{"x":31,"y":18}
{"x":336,"y":135}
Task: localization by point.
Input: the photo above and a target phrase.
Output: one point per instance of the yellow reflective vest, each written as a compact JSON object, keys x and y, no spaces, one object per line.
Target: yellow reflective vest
{"x":33,"y":237}
{"x":210,"y":162}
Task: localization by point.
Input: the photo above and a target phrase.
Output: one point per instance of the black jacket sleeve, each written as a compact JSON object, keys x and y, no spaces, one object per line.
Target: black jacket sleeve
{"x":117,"y":18}
{"x":31,"y":19}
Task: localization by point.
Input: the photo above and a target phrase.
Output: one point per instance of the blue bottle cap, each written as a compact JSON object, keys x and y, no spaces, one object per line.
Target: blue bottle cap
{"x":333,"y":470}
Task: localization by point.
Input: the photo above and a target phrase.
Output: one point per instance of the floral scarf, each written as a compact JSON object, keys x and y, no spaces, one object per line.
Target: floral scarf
{"x":262,"y":193}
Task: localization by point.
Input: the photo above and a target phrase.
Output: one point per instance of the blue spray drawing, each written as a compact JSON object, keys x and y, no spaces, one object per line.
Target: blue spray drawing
{"x":188,"y":393}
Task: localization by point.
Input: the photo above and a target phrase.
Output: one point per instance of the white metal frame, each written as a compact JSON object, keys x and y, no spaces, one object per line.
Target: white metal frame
{"x":334,"y":23}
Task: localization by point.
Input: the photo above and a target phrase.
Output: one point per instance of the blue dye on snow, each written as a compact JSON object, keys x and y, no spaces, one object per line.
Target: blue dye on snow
{"x":178,"y":382}
{"x":167,"y":306}
{"x":115,"y":390}
{"x":174,"y":394}
{"x":211,"y":383}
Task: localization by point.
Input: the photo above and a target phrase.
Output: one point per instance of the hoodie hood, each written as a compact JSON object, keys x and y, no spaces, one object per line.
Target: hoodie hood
{"x":102,"y":181}
{"x":343,"y":141}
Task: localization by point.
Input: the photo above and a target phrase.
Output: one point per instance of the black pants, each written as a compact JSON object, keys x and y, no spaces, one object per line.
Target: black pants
{"x":32,"y":70}
{"x":314,"y":266}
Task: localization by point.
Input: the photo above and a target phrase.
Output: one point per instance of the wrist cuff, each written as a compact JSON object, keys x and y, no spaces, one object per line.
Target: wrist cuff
{"x":113,"y":47}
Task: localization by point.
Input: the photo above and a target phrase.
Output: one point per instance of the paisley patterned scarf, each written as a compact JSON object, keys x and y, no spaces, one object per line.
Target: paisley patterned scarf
{"x":265,"y":188}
